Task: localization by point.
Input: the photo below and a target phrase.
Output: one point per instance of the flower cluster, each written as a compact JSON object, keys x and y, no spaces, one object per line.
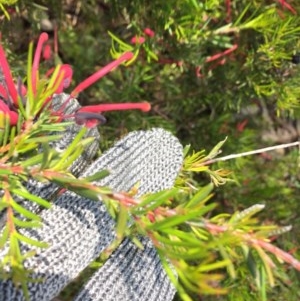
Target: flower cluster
{"x":140,"y":39}
{"x":15,"y":94}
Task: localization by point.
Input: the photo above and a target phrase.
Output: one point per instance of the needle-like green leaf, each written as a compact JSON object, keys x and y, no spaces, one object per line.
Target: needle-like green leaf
{"x":24,"y":212}
{"x":31,"y":241}
{"x":26,"y":195}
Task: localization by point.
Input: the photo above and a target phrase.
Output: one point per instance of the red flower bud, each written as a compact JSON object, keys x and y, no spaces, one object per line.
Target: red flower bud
{"x":5,"y":112}
{"x":47,"y":52}
{"x":149,"y":32}
{"x":137,"y":40}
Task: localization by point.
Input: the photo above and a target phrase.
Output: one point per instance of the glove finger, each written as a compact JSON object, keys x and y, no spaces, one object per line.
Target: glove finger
{"x":78,"y":229}
{"x":130,"y":274}
{"x":133,"y":274}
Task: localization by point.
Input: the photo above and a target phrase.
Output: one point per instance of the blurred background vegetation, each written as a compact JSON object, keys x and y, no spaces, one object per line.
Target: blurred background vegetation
{"x":212,"y":69}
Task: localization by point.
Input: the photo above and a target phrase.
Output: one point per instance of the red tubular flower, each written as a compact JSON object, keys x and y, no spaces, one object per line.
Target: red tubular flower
{"x":143,"y":106}
{"x":216,"y":57}
{"x":96,"y":76}
{"x":221,"y":54}
{"x":91,"y":115}
{"x":8,"y":78}
{"x":36,"y":60}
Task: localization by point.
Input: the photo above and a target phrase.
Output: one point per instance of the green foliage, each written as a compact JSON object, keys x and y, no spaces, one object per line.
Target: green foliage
{"x":21,"y":160}
{"x":205,"y":66}
{"x":6,"y":2}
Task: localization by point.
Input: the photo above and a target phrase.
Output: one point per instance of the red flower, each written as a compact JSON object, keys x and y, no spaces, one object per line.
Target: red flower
{"x":149,"y":32}
{"x":90,"y":115}
{"x":6,"y":112}
{"x":11,"y":94}
{"x":100,"y":73}
{"x":67,"y":72}
{"x":36,"y":60}
{"x":137,"y":40}
{"x":47,"y":52}
{"x":288,"y":6}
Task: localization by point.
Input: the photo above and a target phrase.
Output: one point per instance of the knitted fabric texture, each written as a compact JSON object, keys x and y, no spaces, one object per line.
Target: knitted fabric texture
{"x":129,"y":274}
{"x":78,"y":229}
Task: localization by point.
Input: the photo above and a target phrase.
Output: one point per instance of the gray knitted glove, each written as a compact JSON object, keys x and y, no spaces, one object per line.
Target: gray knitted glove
{"x":78,"y":229}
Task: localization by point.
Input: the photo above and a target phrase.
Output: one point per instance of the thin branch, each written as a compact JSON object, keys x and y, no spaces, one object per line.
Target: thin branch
{"x":255,"y":241}
{"x":254,"y":152}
